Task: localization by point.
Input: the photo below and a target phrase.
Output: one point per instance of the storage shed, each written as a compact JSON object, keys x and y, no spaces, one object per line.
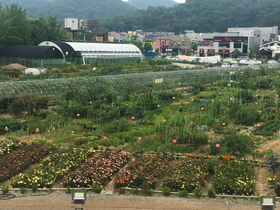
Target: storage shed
{"x":83,"y":52}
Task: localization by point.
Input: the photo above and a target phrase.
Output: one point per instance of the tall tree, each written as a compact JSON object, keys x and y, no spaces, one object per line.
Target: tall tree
{"x":14,"y":27}
{"x":46,"y":29}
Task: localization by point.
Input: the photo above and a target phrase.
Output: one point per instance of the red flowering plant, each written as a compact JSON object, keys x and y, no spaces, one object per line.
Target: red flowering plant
{"x":99,"y":169}
{"x":18,"y":160}
{"x":143,"y":168}
{"x":186,"y":174}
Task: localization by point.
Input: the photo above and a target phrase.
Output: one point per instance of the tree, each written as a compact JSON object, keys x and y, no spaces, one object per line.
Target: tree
{"x":147,"y":47}
{"x":46,"y":29}
{"x":14,"y":28}
{"x":273,"y":164}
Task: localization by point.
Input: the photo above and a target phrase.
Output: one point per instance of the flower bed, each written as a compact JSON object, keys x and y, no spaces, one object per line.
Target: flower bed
{"x":186,"y":174}
{"x":143,"y":168}
{"x":16,"y":161}
{"x":8,"y":146}
{"x":97,"y":170}
{"x":52,"y":169}
{"x":235,"y":178}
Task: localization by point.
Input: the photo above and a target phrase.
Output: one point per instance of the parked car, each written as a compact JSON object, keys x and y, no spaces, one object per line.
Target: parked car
{"x":225,"y":65}
{"x":272,"y":62}
{"x":234,"y":65}
{"x":252,"y":66}
{"x":208,"y":64}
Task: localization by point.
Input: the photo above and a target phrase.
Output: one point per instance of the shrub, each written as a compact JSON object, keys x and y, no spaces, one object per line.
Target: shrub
{"x":211,"y":193}
{"x":5,"y":189}
{"x":34,"y":188}
{"x":23,"y":190}
{"x":96,"y":188}
{"x":135,"y":191}
{"x":197,"y":192}
{"x":121,"y":191}
{"x":146,"y":190}
{"x":166,"y":191}
{"x":68,"y":189}
{"x":183,"y":193}
{"x":277,"y":191}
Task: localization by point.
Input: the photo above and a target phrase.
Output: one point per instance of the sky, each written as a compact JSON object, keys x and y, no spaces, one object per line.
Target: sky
{"x":179,"y":1}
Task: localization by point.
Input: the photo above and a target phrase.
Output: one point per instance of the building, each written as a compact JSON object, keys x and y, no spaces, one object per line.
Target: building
{"x":91,"y":27}
{"x":270,"y":49}
{"x":171,"y":44}
{"x":92,"y":52}
{"x":267,"y":34}
{"x":225,"y":44}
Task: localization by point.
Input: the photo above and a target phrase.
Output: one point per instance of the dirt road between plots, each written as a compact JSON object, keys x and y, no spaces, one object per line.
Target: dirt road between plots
{"x":62,"y":201}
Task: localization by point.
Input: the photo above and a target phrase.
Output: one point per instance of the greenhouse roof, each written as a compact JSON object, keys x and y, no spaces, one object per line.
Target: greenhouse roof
{"x":53,"y":86}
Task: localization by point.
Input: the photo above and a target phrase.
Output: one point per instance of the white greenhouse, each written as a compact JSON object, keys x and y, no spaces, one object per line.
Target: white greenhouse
{"x":82,"y":52}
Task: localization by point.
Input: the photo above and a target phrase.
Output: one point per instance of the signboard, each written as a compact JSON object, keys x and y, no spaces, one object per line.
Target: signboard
{"x":230,"y":39}
{"x":186,"y":40}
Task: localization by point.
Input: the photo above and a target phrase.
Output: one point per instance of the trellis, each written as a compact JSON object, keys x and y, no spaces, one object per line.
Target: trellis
{"x":154,"y":80}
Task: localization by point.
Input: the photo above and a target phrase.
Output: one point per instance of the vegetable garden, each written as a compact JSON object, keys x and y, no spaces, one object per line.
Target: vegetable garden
{"x":176,"y":130}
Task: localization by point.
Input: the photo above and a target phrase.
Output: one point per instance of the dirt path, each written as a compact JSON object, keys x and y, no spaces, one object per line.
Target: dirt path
{"x":62,"y":201}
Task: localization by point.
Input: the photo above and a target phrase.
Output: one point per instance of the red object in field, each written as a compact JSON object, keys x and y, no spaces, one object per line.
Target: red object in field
{"x":217,"y":145}
{"x":192,"y":122}
{"x":174,"y":141}
{"x":139,"y":138}
{"x":258,"y":124}
{"x":260,"y":149}
{"x":105,"y":137}
{"x":6,"y":128}
{"x":37,"y":130}
{"x":78,"y":115}
{"x":164,"y":120}
{"x":158,"y":105}
{"x":224,"y":124}
{"x":132,"y":118}
{"x":72,"y":133}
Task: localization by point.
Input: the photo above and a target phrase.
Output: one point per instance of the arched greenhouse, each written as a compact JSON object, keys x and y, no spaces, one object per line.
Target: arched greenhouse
{"x":131,"y":82}
{"x":81,"y":52}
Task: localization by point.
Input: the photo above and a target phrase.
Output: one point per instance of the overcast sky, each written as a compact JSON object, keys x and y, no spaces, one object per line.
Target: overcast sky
{"x":179,"y":1}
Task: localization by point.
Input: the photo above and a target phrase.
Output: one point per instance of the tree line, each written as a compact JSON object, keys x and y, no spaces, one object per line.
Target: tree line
{"x":17,"y":29}
{"x":200,"y":16}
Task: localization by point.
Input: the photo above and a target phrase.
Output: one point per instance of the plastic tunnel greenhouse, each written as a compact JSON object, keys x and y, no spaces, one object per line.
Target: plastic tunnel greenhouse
{"x":155,"y":80}
{"x":91,"y":52}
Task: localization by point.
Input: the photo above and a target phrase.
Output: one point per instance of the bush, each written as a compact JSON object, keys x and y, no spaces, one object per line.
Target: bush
{"x":277,"y":191}
{"x":166,"y":191}
{"x":96,"y":188}
{"x":34,"y":188}
{"x":146,"y":190}
{"x":197,"y":192}
{"x":5,"y":189}
{"x":135,"y":191}
{"x":183,"y":193}
{"x":211,"y":193}
{"x":23,"y":190}
{"x":68,"y":189}
{"x":121,"y":191}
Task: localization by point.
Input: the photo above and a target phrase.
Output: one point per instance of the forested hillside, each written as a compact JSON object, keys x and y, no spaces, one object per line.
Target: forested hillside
{"x":144,"y":4}
{"x":201,"y":16}
{"x":86,"y":9}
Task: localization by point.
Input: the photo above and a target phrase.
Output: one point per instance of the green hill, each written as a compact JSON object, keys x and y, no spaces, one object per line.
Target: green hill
{"x":144,"y":4}
{"x":201,"y":16}
{"x":87,"y":9}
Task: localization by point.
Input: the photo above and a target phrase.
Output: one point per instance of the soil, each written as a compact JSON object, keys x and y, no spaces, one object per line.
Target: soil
{"x":62,"y":201}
